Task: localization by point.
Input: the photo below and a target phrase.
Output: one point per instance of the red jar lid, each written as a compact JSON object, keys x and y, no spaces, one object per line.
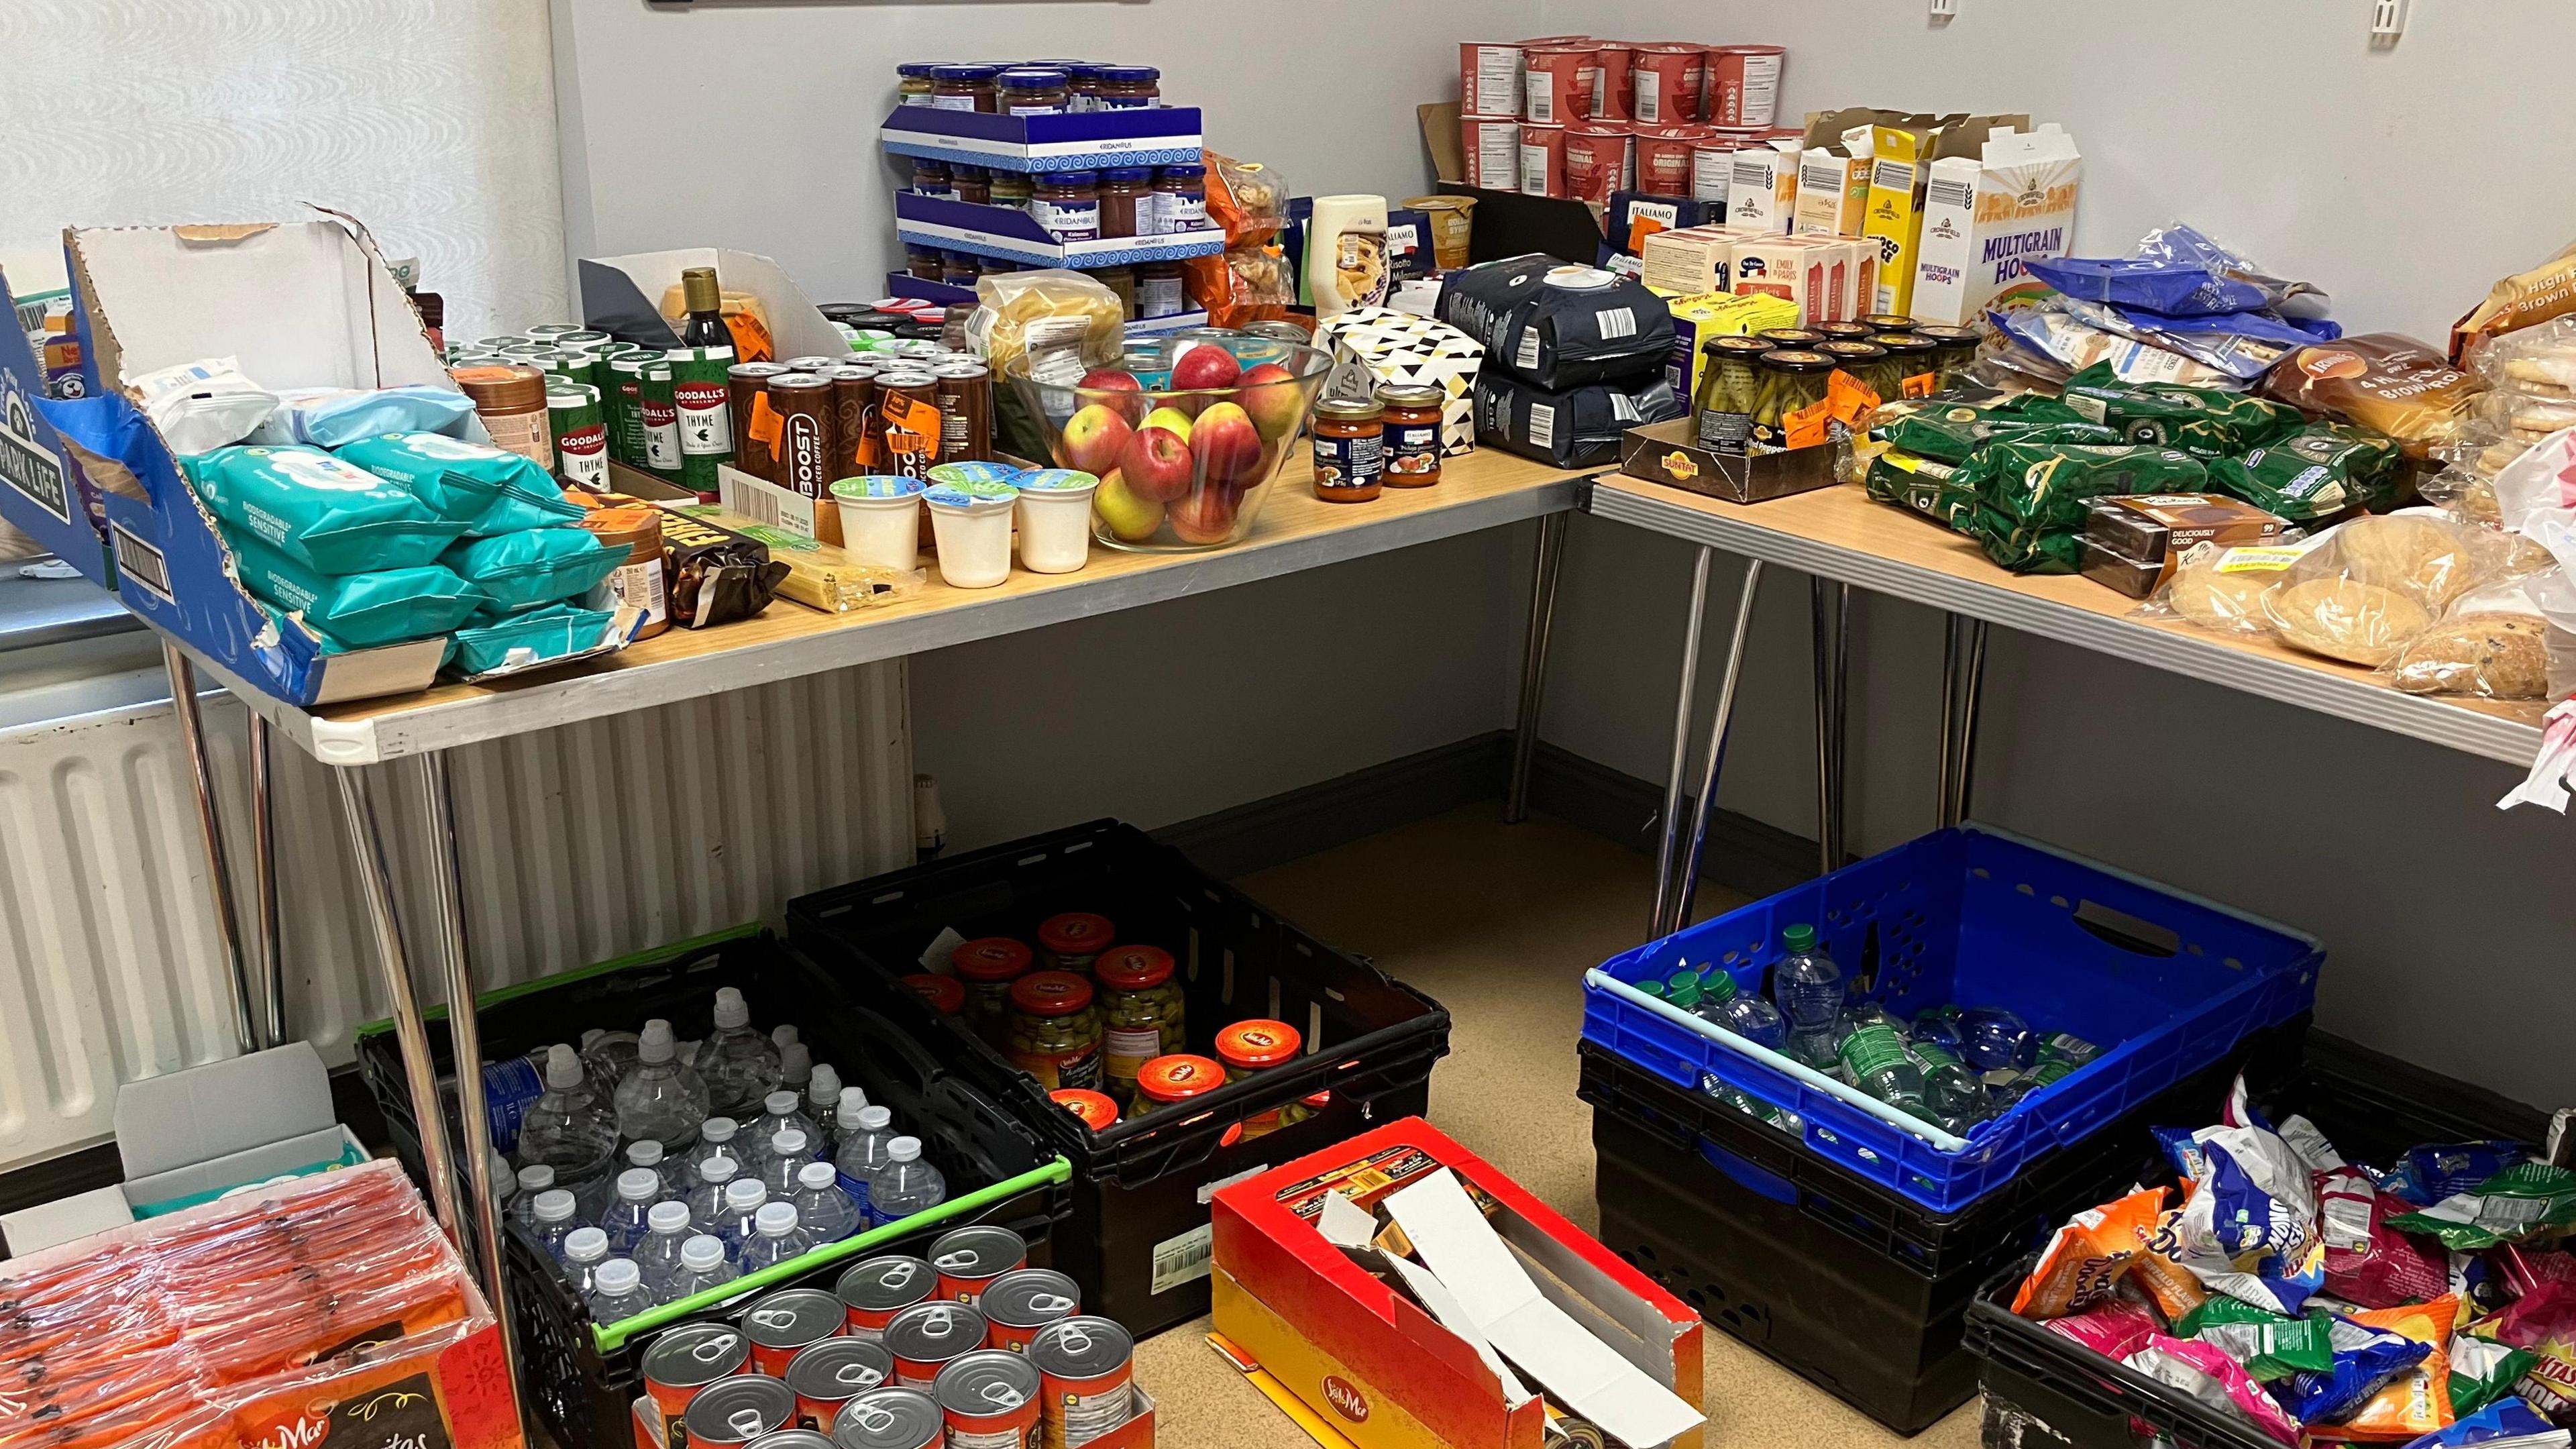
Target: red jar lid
{"x":1050,"y":993}
{"x":1076,"y":933}
{"x":946,"y":994}
{"x":1133,"y":968}
{"x":1179,"y":1077}
{"x":992,"y":958}
{"x":1096,"y":1109}
{"x":1258,"y":1044}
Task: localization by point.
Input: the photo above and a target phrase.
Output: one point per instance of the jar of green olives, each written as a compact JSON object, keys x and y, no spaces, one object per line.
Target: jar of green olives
{"x":1053,"y":1031}
{"x":1143,"y":1014}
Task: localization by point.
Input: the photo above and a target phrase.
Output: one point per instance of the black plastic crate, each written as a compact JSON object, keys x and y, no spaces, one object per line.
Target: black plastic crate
{"x":582,"y":1381}
{"x":1847,"y":1283}
{"x":2371,"y":1106}
{"x":1138,"y":1242}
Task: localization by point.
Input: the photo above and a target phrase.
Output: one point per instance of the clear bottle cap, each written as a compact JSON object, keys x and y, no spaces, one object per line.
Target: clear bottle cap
{"x":776,"y":1219}
{"x":639,"y":1184}
{"x":731,"y":1010}
{"x":667,"y":1217}
{"x":585,"y":1245}
{"x":825,"y":1089}
{"x":816,"y":1175}
{"x":718,"y":1169}
{"x":788,"y":1143}
{"x":875,"y":1119}
{"x":563,"y":1066}
{"x":618,"y":1275}
{"x":749,"y":1192}
{"x":717,"y":1129}
{"x":904,"y":1149}
{"x":702,"y":1254}
{"x":592,"y":1035}
{"x":782,"y":1037}
{"x":796,"y":1059}
{"x":779,"y":1103}
{"x":647,"y":1153}
{"x":554,"y":1205}
{"x":536,"y":1177}
{"x":656,"y":1044}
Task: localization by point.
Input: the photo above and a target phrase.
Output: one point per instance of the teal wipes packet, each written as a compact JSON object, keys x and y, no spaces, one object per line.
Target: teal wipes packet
{"x":490,"y":490}
{"x":533,"y":566}
{"x":318,"y":511}
{"x":556,"y":631}
{"x":328,"y":417}
{"x":360,"y":610}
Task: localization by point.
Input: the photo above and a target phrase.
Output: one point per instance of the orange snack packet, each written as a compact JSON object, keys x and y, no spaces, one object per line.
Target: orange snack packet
{"x":2175,"y":1289}
{"x":2095,"y":1250}
{"x":2418,"y":1401}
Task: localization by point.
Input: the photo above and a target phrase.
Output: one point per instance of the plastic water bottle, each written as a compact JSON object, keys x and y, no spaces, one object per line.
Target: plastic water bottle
{"x":826,"y":1212}
{"x":569,"y":1128}
{"x":660,"y":1100}
{"x":1808,"y":987}
{"x":617,"y":1292}
{"x":505,"y":1183}
{"x":584,"y":1249}
{"x":625,"y":1222}
{"x":667,"y":1232}
{"x":744,"y":1197}
{"x":868,"y":1134}
{"x":703,"y":1265}
{"x":795,"y":1064}
{"x":789,"y":1151}
{"x":555,"y":1219}
{"x":717,"y":1137}
{"x":1749,"y":1017}
{"x":649,"y":1155}
{"x":775,"y":1238}
{"x":1955,"y":1096}
{"x":822,"y":1107}
{"x":738,"y":1064}
{"x":608,"y":1056}
{"x":783,"y":1036}
{"x":532,"y":1181}
{"x":782,"y":1111}
{"x":905,"y":1185}
{"x":707,"y":1200}
{"x":1993,"y":1039}
{"x":1874,"y":1059}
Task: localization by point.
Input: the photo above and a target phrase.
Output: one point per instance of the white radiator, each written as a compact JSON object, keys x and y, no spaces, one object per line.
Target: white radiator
{"x":580,"y":844}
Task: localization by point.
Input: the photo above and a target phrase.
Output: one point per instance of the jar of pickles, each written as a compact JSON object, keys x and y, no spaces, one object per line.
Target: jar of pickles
{"x":1888,"y":322}
{"x":1790,"y":336}
{"x":987,"y":967}
{"x":1253,"y":1049}
{"x":1143,"y":1013}
{"x":1793,"y":380}
{"x":1072,"y":941}
{"x":1168,"y":1082}
{"x":1842,"y":331}
{"x":1917,"y":361}
{"x":1730,"y":386}
{"x":1868,"y":364}
{"x":1053,"y":1030}
{"x":1957,"y":348}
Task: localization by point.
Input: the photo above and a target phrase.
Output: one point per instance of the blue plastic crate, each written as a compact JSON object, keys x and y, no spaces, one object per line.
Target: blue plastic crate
{"x":2165,"y":983}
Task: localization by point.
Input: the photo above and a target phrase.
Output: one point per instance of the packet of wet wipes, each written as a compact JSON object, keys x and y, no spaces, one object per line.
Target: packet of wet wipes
{"x":318,"y":511}
{"x":451,"y":474}
{"x":360,"y":610}
{"x":328,"y":417}
{"x":554,"y":631}
{"x":533,"y":566}
{"x":203,"y":405}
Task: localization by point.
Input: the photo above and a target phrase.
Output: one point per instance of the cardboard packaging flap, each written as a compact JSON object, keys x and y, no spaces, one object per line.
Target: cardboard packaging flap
{"x":623,"y":295}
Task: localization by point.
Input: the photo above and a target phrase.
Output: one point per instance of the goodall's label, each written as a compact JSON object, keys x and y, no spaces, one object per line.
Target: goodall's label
{"x":704,"y":417}
{"x":661,"y":434}
{"x":583,"y":455}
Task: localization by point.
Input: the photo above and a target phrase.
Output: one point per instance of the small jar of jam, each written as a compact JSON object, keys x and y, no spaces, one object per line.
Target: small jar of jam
{"x":960,"y":269}
{"x":964,"y":87}
{"x":1168,"y":1082}
{"x":1067,"y":205}
{"x":970,"y":183}
{"x":1083,"y":78}
{"x":1350,"y":450}
{"x":912,"y":82}
{"x":1120,"y":280}
{"x":1032,"y":90}
{"x":1412,"y":442}
{"x":1126,"y":200}
{"x":1130,"y":87}
{"x":921,"y":261}
{"x":931,"y":178}
{"x":1008,"y":188}
{"x":1160,"y":290}
{"x":1180,"y":198}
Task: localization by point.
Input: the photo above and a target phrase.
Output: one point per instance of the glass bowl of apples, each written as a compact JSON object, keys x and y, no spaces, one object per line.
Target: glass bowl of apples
{"x":1187,"y":435}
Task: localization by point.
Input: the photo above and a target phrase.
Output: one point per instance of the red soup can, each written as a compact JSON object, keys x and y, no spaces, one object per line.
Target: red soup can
{"x":1596,"y":160}
{"x":1492,"y":147}
{"x":928,"y":1337}
{"x":970,"y":1258}
{"x":1610,"y":81}
{"x":738,"y":1410}
{"x":1087,"y":1367}
{"x":1667,"y":76}
{"x":1542,"y":160}
{"x":891,"y":1418}
{"x":1663,"y":162}
{"x":873,"y":1292}
{"x":1743,"y":84}
{"x":832,"y":1373}
{"x":1556,"y":83}
{"x":784,"y":1325}
{"x":686,"y":1359}
{"x":991,"y":1401}
{"x":1019,"y":1304}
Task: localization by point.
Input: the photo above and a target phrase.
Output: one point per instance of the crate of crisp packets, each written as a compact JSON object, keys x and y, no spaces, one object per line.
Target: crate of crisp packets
{"x":1375,"y":346}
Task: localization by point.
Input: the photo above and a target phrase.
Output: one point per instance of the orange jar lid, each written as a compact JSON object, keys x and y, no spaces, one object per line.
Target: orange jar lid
{"x":1133,"y":968}
{"x":1096,"y":1110}
{"x":946,"y":994}
{"x":1076,"y":933}
{"x":1258,"y":1044}
{"x":1179,"y":1077}
{"x":1050,"y":993}
{"x":991,"y":958}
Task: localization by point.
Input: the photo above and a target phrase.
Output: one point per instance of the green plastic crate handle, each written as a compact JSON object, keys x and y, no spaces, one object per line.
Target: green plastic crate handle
{"x":612,"y":1337}
{"x":673,"y":951}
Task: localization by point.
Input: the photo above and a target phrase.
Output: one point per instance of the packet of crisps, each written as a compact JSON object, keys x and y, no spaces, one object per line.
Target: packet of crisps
{"x":2269,"y":1345}
{"x":2483,"y":1371}
{"x":2206,"y":1373}
{"x":2113,"y":1328}
{"x":2087,"y":1256}
{"x":2365,"y":1359}
{"x":2160,"y":1275}
{"x":2543,"y":1321}
{"x":2428,"y":1174}
{"x":2523,"y":1201}
{"x":2418,"y":1400}
{"x":2367,"y":1261}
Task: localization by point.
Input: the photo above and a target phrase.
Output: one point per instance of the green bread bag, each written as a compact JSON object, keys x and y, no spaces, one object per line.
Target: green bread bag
{"x":318,"y":511}
{"x":1921,"y":485}
{"x":360,"y":610}
{"x":2031,"y":497}
{"x":2204,"y":422}
{"x":533,"y":566}
{"x":490,"y":490}
{"x":1948,"y":432}
{"x":2321,"y":470}
{"x":532,"y":637}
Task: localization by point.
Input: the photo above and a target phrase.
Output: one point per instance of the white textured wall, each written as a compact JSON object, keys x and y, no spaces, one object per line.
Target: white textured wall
{"x":425,"y":119}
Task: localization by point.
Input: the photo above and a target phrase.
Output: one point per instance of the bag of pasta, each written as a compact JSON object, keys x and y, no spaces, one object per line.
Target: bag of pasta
{"x":2032,"y":497}
{"x":1063,"y":322}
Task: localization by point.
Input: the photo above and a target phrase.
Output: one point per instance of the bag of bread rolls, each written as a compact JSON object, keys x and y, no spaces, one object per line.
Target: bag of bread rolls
{"x":2494,"y":644}
{"x":2370,"y":586}
{"x":2224,"y":589}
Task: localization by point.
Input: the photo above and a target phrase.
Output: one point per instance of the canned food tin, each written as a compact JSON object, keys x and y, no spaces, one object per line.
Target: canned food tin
{"x":738,"y":1410}
{"x":991,"y":1401}
{"x":928,"y":1337}
{"x":1087,"y":1369}
{"x":970,"y":1258}
{"x":876,"y":1290}
{"x":1018,"y":1304}
{"x":891,"y":1418}
{"x":832,"y":1373}
{"x":784,"y":1324}
{"x":792,"y":1439}
{"x":686,"y":1359}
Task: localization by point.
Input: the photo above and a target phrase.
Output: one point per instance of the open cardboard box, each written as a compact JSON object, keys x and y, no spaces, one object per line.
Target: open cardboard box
{"x":44,"y":490}
{"x":1536,"y":1303}
{"x":1670,"y":454}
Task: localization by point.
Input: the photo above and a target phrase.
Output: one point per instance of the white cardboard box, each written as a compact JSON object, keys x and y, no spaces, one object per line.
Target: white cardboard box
{"x":1762,"y":187}
{"x":1985,"y":217}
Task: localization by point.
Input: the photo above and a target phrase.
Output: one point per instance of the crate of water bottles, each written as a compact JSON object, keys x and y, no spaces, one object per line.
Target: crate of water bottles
{"x":691,"y":1128}
{"x":1939,"y":1015}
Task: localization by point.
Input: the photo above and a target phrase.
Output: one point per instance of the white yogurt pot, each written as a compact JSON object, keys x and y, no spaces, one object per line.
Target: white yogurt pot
{"x":1055,"y":519}
{"x":972,"y":525}
{"x":880,"y":519}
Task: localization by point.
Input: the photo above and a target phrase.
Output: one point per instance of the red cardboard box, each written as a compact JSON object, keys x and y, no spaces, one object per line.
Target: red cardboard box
{"x":1371,"y":1361}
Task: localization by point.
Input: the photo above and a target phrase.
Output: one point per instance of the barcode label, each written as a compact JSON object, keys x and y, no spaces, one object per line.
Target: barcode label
{"x":1184,"y":1259}
{"x":1752,"y":172}
{"x":1540,"y":87}
{"x":1525,"y":357}
{"x":1542,"y":425}
{"x":1950,"y":191}
{"x":1895,"y":175}
{"x":141,"y":563}
{"x":1624,"y":408}
{"x":1534,"y":171}
{"x":1616,"y":323}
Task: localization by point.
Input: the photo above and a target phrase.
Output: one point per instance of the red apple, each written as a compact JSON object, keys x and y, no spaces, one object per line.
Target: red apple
{"x":1093,"y":439}
{"x":1203,"y":368}
{"x":1102,"y":380}
{"x":1156,"y":464}
{"x":1226,"y":443}
{"x":1205,"y":516}
{"x":1271,"y":395}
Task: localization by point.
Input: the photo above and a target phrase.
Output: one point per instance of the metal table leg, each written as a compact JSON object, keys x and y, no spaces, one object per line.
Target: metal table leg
{"x":1830,"y":606}
{"x":263,"y":845}
{"x":192,"y":733}
{"x":1971,"y":696}
{"x":1963,"y":680}
{"x":1706,"y":804}
{"x":1668,"y":826}
{"x":1551,"y":562}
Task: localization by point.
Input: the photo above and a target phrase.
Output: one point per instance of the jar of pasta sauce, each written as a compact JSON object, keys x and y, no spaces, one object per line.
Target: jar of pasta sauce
{"x":1350,"y":450}
{"x":1412,"y":415}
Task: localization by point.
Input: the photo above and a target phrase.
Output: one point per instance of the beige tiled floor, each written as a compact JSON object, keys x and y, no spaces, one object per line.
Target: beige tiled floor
{"x":1498,"y":924}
